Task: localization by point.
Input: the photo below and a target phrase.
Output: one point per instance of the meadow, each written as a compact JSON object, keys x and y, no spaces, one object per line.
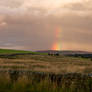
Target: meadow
{"x":45,"y":63}
{"x":24,"y":71}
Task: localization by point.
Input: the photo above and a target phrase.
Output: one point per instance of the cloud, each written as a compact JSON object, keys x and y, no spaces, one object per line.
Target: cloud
{"x":2,"y":21}
{"x":31,"y":24}
{"x":33,"y":6}
{"x":3,"y":24}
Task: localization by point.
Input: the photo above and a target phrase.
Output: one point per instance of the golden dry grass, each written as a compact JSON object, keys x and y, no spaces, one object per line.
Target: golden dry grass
{"x":44,"y":63}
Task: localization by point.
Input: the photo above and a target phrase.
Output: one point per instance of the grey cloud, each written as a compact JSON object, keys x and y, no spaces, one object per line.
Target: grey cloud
{"x":31,"y":30}
{"x":38,"y":33}
{"x":11,"y":3}
{"x":84,"y":6}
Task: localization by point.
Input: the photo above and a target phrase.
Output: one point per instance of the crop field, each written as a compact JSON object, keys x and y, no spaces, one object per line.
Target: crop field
{"x":37,"y":72}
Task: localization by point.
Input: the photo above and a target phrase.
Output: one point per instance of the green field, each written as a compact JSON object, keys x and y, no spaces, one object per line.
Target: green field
{"x":10,"y":51}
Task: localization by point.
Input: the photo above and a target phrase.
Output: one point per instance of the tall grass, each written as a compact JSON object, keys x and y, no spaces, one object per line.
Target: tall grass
{"x":25,"y":83}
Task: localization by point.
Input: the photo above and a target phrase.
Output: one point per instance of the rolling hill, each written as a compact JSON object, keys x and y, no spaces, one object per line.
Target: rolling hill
{"x":65,"y":52}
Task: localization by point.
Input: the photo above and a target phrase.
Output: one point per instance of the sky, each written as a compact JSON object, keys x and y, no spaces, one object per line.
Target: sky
{"x":46,"y":24}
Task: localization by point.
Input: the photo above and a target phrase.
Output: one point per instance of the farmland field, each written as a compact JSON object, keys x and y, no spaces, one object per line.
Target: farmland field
{"x":33,"y":72}
{"x":45,"y":63}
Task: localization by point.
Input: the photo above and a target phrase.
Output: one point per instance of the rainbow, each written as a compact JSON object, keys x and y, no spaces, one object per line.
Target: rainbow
{"x":56,"y":46}
{"x":57,"y":43}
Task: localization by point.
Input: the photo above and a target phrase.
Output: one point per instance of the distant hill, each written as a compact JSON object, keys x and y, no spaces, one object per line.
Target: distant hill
{"x":66,"y":52}
{"x":44,"y":52}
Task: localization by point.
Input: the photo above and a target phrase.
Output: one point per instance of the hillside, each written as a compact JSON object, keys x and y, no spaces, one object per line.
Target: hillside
{"x":65,"y":52}
{"x":10,"y":51}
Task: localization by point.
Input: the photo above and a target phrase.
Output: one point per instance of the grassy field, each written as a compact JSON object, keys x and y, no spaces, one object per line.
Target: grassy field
{"x":32,"y":83}
{"x":72,"y":68}
{"x":45,"y":63}
{"x":10,"y":51}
